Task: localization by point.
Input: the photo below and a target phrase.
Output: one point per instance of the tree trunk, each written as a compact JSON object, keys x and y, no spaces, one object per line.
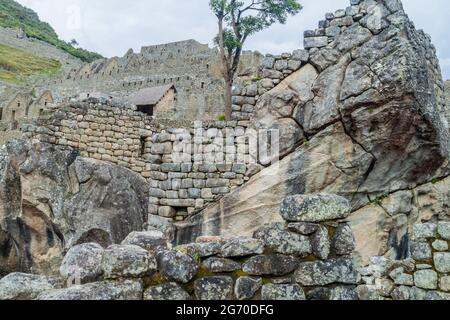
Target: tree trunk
{"x":226,"y":73}
{"x":228,"y":98}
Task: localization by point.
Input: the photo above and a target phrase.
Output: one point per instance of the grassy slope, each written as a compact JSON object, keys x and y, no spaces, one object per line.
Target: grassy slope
{"x":14,"y":15}
{"x":15,"y":63}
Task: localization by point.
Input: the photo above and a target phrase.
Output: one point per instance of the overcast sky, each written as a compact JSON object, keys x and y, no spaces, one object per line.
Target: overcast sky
{"x":111,"y":27}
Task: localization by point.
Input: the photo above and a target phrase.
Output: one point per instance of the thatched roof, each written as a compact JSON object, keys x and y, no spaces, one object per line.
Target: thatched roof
{"x":150,"y":96}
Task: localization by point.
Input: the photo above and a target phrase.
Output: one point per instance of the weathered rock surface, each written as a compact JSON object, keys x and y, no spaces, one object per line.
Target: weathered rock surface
{"x":370,"y":105}
{"x":341,"y":270}
{"x":283,"y":292}
{"x":220,"y":265}
{"x":329,"y":163}
{"x":121,"y":261}
{"x":153,"y":241}
{"x":83,"y":262}
{"x":241,"y":247}
{"x":315,"y":208}
{"x":166,"y":292}
{"x":281,"y":241}
{"x":213,"y":288}
{"x":21,"y":286}
{"x":343,"y":241}
{"x":102,"y":291}
{"x":176,"y":266}
{"x":321,"y":244}
{"x":52,"y":200}
{"x":275,"y":264}
{"x":246,"y":287}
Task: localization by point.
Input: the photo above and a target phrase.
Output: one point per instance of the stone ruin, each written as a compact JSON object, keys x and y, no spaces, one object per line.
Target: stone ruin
{"x":309,"y":256}
{"x":193,"y":68}
{"x":364,"y":141}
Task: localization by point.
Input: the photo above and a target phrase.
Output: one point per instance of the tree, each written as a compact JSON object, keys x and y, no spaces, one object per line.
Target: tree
{"x":237,"y":20}
{"x":74,"y":43}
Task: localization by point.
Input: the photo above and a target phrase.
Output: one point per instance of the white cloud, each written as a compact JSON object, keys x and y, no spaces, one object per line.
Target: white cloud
{"x":111,"y":27}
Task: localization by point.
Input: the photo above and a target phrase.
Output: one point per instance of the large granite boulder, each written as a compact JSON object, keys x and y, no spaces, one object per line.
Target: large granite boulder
{"x":51,"y":200}
{"x":370,"y":106}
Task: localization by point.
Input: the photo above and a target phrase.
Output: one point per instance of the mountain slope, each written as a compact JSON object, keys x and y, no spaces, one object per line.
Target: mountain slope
{"x":15,"y":63}
{"x":14,"y":15}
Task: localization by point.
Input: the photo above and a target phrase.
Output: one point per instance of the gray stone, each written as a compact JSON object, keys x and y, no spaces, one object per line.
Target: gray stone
{"x":241,"y":247}
{"x":303,"y":228}
{"x":60,"y":207}
{"x":83,"y":263}
{"x":440,"y":245}
{"x":323,"y":109}
{"x":437,"y":296}
{"x":417,"y":294}
{"x":283,"y":292}
{"x":320,"y":243}
{"x":319,"y":294}
{"x":127,"y":261}
{"x":176,"y":266}
{"x":281,"y":241}
{"x":281,"y":65}
{"x":426,"y":279}
{"x":420,"y":250}
{"x":444,"y":283}
{"x":315,"y":42}
{"x":268,"y":62}
{"x":424,"y":230}
{"x":100,"y":291}
{"x":21,"y":286}
{"x":153,"y":241}
{"x":201,"y":249}
{"x":344,"y":293}
{"x":404,"y":279}
{"x":368,"y":293}
{"x":442,"y":262}
{"x":301,"y":55}
{"x":401,"y":293}
{"x":166,"y":292}
{"x":220,"y":265}
{"x":246,"y":287}
{"x":343,"y":241}
{"x":213,"y":288}
{"x":321,"y":273}
{"x":270,"y":265}
{"x":444,"y":230}
{"x":315,"y":208}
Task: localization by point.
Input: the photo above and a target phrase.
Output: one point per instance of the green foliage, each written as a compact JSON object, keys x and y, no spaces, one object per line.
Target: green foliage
{"x":13,"y":15}
{"x":15,"y":63}
{"x":245,"y":18}
{"x":239,"y":19}
{"x":256,"y":78}
{"x":221,"y":117}
{"x":379,"y":200}
{"x":229,"y":40}
{"x":435,"y":181}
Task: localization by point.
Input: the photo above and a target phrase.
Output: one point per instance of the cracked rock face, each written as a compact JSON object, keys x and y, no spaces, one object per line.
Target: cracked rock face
{"x":51,"y":200}
{"x":370,"y":105}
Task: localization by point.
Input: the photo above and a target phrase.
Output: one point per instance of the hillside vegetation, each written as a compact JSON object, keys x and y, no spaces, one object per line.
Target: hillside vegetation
{"x":15,"y":63}
{"x":14,"y":15}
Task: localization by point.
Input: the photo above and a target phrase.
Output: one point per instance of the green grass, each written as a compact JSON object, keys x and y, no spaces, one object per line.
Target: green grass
{"x":14,"y":15}
{"x":15,"y":63}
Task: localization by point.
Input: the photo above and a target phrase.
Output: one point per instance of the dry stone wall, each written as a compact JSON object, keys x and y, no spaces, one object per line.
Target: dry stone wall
{"x":192,"y":67}
{"x":272,"y":70}
{"x":308,"y":256}
{"x":185,"y":167}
